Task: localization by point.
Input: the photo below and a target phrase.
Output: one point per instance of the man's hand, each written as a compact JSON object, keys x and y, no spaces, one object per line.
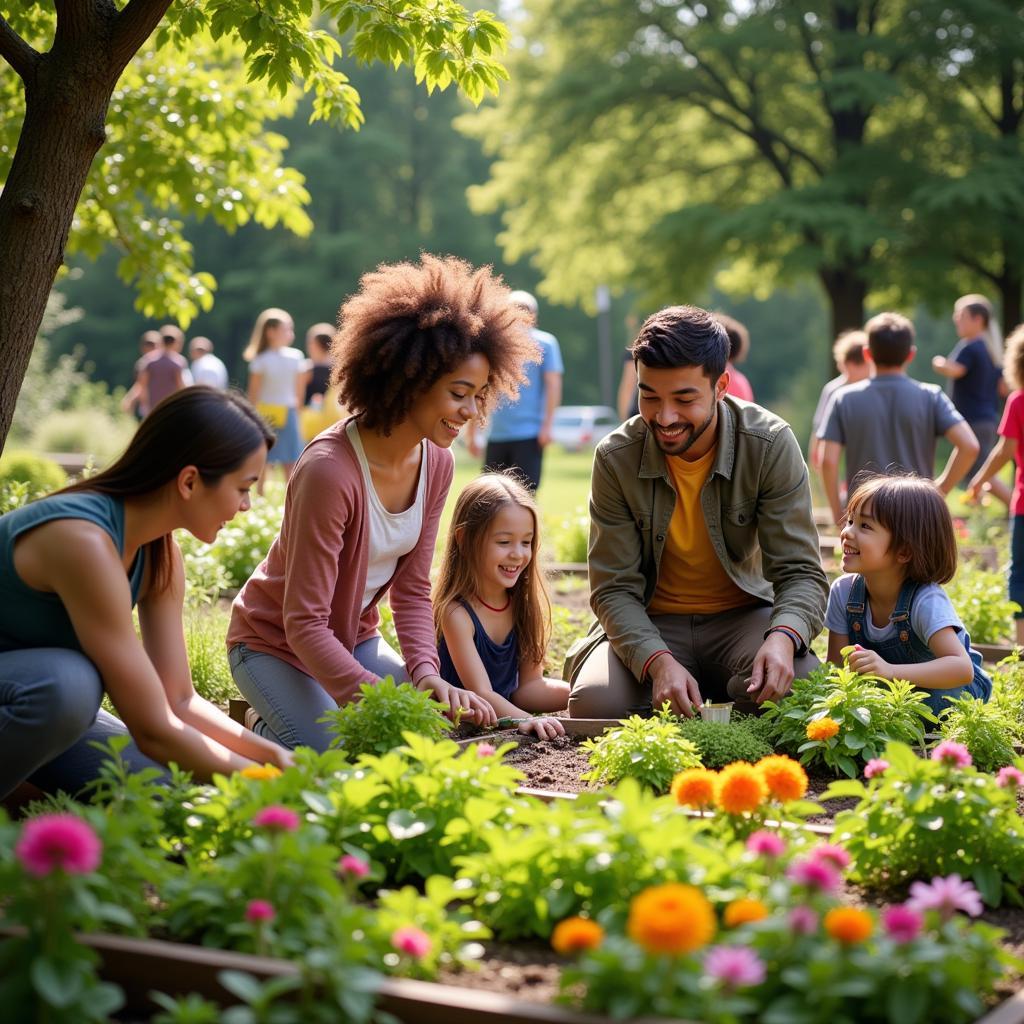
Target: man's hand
{"x":542,"y":728}
{"x":772,"y":675}
{"x":460,"y":702}
{"x":671,"y":682}
{"x":544,"y":435}
{"x":870,"y":663}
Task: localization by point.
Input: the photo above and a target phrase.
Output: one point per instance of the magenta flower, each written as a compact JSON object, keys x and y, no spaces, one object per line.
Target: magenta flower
{"x":1010,"y":776}
{"x":412,"y":941}
{"x":803,"y":920}
{"x":354,"y":866}
{"x":259,"y":912}
{"x":955,"y":754}
{"x":902,"y":923}
{"x":734,"y":966}
{"x":814,"y":874}
{"x":831,"y":854}
{"x":766,"y":844}
{"x":277,"y":819}
{"x":947,"y":896}
{"x":876,"y":766}
{"x":485,"y":750}
{"x":58,"y":842}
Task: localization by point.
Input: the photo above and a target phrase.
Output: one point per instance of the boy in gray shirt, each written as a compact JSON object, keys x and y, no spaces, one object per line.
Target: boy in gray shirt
{"x":890,"y":421}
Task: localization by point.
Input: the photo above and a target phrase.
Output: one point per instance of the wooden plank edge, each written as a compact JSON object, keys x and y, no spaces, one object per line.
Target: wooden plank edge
{"x":1010,"y":1011}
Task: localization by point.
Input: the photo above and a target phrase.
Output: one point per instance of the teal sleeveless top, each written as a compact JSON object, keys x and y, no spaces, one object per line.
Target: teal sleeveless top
{"x":33,"y":618}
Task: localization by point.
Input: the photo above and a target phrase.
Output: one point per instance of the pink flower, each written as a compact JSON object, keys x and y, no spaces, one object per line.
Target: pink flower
{"x":803,"y":920}
{"x":902,"y":923}
{"x":814,"y":874}
{"x":259,"y":912}
{"x":876,"y":766}
{"x":58,"y":842}
{"x":412,"y":941}
{"x":946,"y":895}
{"x":734,"y":966}
{"x":485,"y":750}
{"x":1010,"y":776}
{"x":354,"y":866}
{"x":831,"y":854}
{"x":766,"y":844}
{"x":952,"y":753}
{"x":277,"y":819}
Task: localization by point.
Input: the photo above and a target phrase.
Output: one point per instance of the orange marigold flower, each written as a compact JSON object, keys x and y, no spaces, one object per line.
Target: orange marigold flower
{"x":671,"y":918}
{"x":744,"y":911}
{"x":261,"y":772}
{"x":849,"y":924}
{"x":741,"y":787}
{"x":822,"y":729}
{"x":785,"y":778}
{"x":575,"y":934}
{"x":695,"y":787}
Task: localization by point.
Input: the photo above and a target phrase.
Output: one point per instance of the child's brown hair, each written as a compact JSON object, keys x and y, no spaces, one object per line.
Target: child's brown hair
{"x":477,"y":505}
{"x":914,"y":511}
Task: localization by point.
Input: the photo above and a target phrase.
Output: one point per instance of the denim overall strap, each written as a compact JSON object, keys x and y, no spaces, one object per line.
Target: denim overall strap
{"x":856,"y":602}
{"x":914,"y":647}
{"x":905,"y":647}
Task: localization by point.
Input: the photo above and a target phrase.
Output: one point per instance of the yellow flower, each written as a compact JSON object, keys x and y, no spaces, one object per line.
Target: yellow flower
{"x":671,"y":918}
{"x":575,"y":934}
{"x":261,"y":772}
{"x":695,"y":787}
{"x":741,"y":787}
{"x":744,"y":911}
{"x":822,"y":729}
{"x":849,"y":924}
{"x":785,"y":778}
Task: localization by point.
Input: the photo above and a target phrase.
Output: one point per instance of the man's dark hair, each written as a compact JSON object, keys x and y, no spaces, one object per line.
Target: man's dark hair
{"x":739,"y":337}
{"x":890,"y":339}
{"x":680,"y":336}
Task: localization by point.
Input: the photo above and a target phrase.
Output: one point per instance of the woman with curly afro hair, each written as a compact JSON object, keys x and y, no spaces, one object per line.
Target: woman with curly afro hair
{"x":421,"y":350}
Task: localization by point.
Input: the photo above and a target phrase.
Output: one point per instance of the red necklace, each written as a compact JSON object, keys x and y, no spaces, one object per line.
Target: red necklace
{"x":491,"y":606}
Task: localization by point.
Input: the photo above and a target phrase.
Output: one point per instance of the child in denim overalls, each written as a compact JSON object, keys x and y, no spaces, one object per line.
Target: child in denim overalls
{"x":898,"y":547}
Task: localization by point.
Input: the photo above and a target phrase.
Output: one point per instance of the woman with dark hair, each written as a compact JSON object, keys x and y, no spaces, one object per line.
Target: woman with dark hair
{"x":422,"y":350}
{"x":74,"y":564}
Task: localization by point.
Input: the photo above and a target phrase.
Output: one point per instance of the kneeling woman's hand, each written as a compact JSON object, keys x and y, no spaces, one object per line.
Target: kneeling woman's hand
{"x":542,"y":728}
{"x":472,"y":707}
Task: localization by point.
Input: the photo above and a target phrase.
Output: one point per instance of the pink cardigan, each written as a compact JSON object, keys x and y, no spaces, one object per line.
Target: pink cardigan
{"x":302,"y":604}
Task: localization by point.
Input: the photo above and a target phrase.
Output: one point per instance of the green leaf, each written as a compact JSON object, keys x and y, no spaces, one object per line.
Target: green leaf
{"x":404,"y":824}
{"x":989,"y":881}
{"x":58,"y":982}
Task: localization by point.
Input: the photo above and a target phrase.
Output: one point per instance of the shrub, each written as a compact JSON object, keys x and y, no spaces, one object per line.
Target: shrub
{"x":1008,"y":693}
{"x":378,"y":720}
{"x":568,"y":536}
{"x":721,"y":743}
{"x":982,"y":728}
{"x":979,"y":596}
{"x":868,"y":711}
{"x":40,"y":474}
{"x":87,"y":431}
{"x":205,"y":631}
{"x":651,"y":750}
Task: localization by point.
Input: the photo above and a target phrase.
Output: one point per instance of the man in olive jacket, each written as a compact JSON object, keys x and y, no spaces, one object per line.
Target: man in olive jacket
{"x":704,"y":569}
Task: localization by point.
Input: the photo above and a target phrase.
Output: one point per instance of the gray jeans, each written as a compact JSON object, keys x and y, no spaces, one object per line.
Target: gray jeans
{"x":49,"y":718}
{"x":717,"y":650}
{"x":290,"y":702}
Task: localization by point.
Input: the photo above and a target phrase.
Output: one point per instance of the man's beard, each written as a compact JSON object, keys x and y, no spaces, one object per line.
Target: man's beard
{"x":688,"y":439}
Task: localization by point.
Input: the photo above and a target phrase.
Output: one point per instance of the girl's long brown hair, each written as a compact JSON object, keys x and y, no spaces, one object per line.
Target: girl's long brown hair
{"x":478,"y":504}
{"x":258,"y":339}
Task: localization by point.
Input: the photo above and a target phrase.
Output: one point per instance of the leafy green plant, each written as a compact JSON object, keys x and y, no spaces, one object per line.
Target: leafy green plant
{"x":923,"y":817}
{"x":868,"y":710}
{"x":651,"y":750}
{"x":979,"y":596}
{"x":205,"y":630}
{"x":378,"y":721}
{"x":41,"y":474}
{"x":722,"y":743}
{"x":1008,"y":693}
{"x":982,"y":728}
{"x":87,"y":430}
{"x":569,"y":535}
{"x":14,"y":494}
{"x":205,"y":576}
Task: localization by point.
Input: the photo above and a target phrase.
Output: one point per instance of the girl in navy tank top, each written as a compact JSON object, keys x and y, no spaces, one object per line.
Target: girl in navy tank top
{"x":491,"y":609}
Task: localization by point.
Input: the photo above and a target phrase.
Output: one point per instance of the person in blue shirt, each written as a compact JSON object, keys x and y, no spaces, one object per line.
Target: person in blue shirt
{"x":975,"y":368}
{"x":521,"y":429}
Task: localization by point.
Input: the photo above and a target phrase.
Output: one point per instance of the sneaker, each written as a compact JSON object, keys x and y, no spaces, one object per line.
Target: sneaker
{"x":252,"y":720}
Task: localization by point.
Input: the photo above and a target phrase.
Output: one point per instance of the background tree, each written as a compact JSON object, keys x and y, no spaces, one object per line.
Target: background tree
{"x":189,"y":140}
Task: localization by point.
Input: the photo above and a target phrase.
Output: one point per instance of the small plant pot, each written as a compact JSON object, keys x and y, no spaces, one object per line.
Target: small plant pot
{"x":716,"y":712}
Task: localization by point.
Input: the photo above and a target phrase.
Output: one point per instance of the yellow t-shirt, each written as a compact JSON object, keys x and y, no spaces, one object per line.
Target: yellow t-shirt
{"x":691,"y":580}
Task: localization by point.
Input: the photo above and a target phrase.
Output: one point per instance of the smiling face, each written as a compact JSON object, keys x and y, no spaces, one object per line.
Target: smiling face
{"x":508,"y":548}
{"x":867,"y":545}
{"x":451,"y":402}
{"x":209,"y":507}
{"x":680,"y":405}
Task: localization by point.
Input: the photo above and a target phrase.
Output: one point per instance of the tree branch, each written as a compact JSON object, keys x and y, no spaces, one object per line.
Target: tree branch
{"x":972,"y":264}
{"x":16,"y":51}
{"x":133,"y":27}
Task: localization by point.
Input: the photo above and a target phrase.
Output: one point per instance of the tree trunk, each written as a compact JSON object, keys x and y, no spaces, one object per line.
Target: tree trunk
{"x":846,"y":291}
{"x":65,"y":110}
{"x":1010,"y":286}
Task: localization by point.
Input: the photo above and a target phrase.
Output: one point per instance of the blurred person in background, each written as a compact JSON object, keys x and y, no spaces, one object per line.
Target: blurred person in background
{"x":739,"y":349}
{"x":164,"y":371}
{"x":848,"y":353}
{"x":134,"y":400}
{"x":206,"y":367}
{"x":321,"y":407}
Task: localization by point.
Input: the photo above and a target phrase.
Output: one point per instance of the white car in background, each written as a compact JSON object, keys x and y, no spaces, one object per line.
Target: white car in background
{"x":581,"y":426}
